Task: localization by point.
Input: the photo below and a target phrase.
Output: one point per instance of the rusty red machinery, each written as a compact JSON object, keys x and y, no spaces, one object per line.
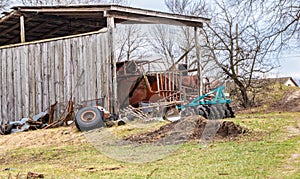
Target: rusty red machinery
{"x":140,"y":92}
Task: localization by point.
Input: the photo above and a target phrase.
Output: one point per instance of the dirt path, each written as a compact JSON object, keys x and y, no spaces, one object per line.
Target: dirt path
{"x":290,"y":101}
{"x":294,"y":160}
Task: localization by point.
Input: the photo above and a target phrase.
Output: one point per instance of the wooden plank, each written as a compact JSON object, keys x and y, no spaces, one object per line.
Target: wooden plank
{"x":86,"y":68}
{"x":93,"y":75}
{"x":47,"y":51}
{"x":114,"y":107}
{"x":25,"y":80}
{"x":107,"y":68}
{"x":69,"y":62}
{"x":74,"y":61}
{"x":38,"y":64}
{"x":3,"y":86}
{"x":61,"y":83}
{"x":198,"y":57}
{"x":67,"y":70}
{"x":17,"y":83}
{"x":102,"y":70}
{"x":31,"y":80}
{"x":22,"y":29}
{"x":10,"y":86}
{"x":52,"y":70}
{"x":57,"y":83}
{"x":99,"y":66}
{"x":80,"y":73}
{"x":1,"y":95}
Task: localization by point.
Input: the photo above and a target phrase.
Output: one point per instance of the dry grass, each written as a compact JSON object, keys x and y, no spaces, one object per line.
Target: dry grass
{"x":270,"y":150}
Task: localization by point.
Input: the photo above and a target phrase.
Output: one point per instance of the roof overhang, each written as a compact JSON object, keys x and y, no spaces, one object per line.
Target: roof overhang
{"x":44,"y":22}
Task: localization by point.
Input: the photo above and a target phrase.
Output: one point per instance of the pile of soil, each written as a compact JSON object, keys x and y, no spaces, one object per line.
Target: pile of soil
{"x":190,"y":128}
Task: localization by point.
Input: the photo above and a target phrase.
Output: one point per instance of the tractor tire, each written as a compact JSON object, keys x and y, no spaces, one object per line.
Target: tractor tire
{"x":229,"y":112}
{"x":210,"y":112}
{"x":221,"y":111}
{"x":89,"y":118}
{"x":216,"y":114}
{"x":202,"y":112}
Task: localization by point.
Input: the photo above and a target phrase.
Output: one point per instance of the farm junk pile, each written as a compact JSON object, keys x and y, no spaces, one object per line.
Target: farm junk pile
{"x":38,"y":121}
{"x":43,"y":120}
{"x":156,"y":96}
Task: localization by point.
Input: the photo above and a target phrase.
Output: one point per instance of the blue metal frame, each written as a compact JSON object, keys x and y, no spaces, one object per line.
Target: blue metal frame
{"x":219,"y":98}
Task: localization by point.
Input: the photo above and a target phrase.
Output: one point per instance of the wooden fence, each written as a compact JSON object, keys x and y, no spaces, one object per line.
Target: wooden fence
{"x":35,"y":75}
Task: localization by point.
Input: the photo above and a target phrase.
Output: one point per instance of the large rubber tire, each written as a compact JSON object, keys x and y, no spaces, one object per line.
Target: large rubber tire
{"x":203,"y":112}
{"x":89,"y":118}
{"x":215,"y":112}
{"x":228,"y":111}
{"x":210,"y":112}
{"x":221,"y":110}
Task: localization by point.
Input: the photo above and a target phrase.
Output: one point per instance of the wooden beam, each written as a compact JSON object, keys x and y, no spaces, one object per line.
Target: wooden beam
{"x":154,"y":20}
{"x":17,"y":25}
{"x":62,"y":9}
{"x":198,"y":55}
{"x":22,"y":29}
{"x":158,"y":14}
{"x":37,"y":27}
{"x":49,"y":19}
{"x":114,"y":106}
{"x":14,"y":27}
{"x":54,"y":31}
{"x":5,"y":18}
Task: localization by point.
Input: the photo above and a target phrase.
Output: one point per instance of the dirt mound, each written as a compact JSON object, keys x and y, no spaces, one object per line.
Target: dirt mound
{"x":290,"y":102}
{"x":190,"y":128}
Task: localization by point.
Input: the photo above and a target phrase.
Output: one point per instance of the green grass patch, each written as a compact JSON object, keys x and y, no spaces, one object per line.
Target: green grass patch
{"x":269,"y":150}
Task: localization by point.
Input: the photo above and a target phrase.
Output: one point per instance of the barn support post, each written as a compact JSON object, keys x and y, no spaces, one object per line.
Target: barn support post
{"x":113,"y":87}
{"x":22,"y":29}
{"x":198,"y":56}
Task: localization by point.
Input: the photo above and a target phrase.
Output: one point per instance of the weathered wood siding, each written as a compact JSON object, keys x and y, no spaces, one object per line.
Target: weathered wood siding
{"x":36,"y":75}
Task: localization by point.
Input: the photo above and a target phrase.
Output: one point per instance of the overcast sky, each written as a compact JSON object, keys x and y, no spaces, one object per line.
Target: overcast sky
{"x":149,"y":4}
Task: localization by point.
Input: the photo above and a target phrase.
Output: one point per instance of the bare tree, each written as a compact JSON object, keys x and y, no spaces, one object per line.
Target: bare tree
{"x":130,"y":42}
{"x":185,"y":40}
{"x":164,"y":42}
{"x":187,"y":7}
{"x":244,"y":37}
{"x":3,"y":5}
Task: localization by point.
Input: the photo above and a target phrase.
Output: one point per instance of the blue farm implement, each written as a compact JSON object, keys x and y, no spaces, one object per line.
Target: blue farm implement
{"x":212,"y":105}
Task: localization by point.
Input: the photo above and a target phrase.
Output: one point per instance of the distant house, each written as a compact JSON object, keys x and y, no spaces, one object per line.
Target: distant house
{"x":287,"y":81}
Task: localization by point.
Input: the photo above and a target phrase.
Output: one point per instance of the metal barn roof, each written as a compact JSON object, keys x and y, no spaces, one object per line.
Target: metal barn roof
{"x":44,"y":22}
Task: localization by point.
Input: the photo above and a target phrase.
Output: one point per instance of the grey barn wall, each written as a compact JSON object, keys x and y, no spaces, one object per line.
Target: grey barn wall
{"x":36,"y":75}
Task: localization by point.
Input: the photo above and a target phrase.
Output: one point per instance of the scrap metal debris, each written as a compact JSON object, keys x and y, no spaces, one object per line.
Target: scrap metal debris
{"x":38,"y":121}
{"x":42,"y":120}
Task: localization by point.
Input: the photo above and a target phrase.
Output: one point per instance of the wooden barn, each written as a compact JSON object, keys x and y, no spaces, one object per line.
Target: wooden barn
{"x":59,"y":53}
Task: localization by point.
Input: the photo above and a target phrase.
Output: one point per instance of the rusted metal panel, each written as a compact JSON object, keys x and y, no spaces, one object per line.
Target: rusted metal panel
{"x":35,"y":75}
